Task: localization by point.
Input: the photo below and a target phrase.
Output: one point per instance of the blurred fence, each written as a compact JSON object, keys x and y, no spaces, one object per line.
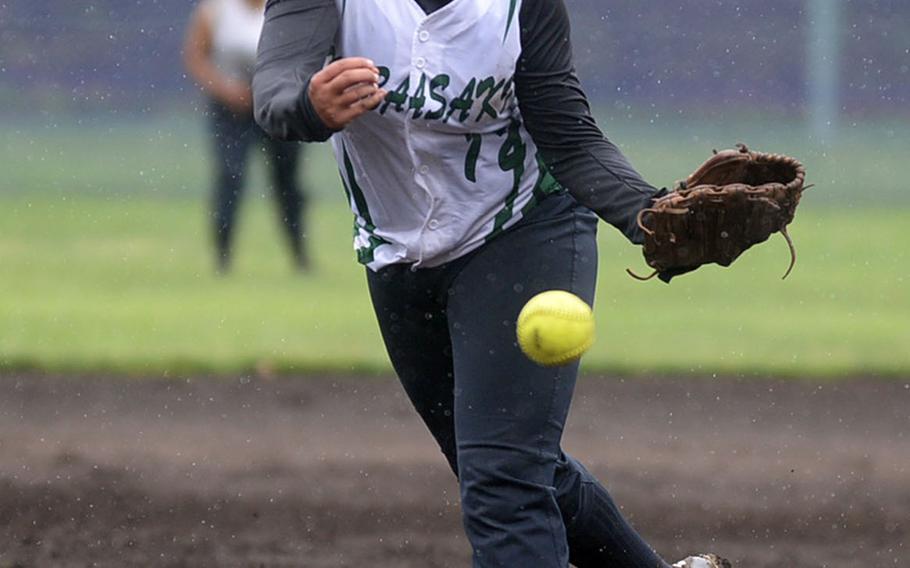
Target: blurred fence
{"x":116,"y":56}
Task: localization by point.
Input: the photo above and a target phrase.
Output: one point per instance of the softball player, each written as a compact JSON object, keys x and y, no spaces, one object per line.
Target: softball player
{"x":472,"y":164}
{"x":219,"y":52}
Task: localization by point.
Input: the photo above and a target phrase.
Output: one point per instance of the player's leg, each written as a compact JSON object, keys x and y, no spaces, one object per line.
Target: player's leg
{"x":282,"y":158}
{"x":231,"y":137}
{"x":520,"y":492}
{"x":410,"y":310}
{"x":598,"y":534}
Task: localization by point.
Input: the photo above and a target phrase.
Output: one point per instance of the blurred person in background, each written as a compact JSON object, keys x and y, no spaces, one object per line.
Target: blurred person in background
{"x":219,"y":54}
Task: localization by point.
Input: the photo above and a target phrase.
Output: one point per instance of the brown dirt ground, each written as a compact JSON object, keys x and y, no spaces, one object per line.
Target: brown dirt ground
{"x":322,"y":472}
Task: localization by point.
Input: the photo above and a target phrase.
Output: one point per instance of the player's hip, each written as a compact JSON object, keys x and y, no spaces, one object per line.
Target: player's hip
{"x":545,"y":244}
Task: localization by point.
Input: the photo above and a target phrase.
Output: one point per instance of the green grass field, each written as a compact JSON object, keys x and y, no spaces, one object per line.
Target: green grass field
{"x":104,"y":266}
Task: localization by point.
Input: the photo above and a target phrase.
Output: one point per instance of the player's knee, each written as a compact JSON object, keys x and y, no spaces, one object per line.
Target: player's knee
{"x":499,"y":485}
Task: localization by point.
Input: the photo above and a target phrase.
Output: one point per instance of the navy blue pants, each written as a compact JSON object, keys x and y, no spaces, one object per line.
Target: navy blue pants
{"x":233,"y":136}
{"x":499,"y":418}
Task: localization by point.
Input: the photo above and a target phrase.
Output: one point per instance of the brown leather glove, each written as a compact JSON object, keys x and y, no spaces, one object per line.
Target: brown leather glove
{"x":736,"y":199}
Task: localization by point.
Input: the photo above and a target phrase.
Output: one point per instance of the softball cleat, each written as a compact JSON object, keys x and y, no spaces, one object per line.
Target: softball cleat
{"x":703,"y":561}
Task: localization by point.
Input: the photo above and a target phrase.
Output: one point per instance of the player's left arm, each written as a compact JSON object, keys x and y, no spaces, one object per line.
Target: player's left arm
{"x":558,"y":117}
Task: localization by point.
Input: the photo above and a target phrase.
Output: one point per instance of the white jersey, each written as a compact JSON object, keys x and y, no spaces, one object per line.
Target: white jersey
{"x":444,"y":163}
{"x":236,"y":27}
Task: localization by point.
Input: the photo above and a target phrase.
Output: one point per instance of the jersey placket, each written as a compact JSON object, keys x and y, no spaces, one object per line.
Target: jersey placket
{"x":422,"y":53}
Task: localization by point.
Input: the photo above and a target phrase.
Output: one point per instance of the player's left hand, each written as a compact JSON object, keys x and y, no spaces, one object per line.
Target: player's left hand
{"x":736,"y":199}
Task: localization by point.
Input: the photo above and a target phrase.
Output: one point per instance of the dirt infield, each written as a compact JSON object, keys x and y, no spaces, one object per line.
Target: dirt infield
{"x":338,"y":472}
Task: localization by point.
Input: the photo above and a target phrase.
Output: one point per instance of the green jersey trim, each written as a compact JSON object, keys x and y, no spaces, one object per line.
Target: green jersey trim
{"x":546,"y":185}
{"x":366,"y":255}
{"x":353,"y":191}
{"x":512,"y":6}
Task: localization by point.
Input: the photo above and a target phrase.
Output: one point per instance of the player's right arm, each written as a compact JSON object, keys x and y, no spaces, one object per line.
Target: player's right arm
{"x":294,"y":96}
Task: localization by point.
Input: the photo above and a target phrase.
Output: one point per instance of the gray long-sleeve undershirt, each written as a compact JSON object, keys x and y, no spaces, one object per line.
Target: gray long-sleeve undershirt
{"x":298,"y":36}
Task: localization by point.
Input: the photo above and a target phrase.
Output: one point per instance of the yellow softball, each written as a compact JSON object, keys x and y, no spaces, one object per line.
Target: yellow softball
{"x":555,"y":328}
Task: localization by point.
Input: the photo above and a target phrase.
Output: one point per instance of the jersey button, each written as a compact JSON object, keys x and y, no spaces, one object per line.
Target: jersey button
{"x":420,"y":62}
{"x":433,"y":224}
{"x":424,"y":170}
{"x":424,"y":35}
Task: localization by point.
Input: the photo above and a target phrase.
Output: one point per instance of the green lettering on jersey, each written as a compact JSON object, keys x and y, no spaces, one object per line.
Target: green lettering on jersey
{"x":398,"y":97}
{"x":438,"y":82}
{"x":506,"y":96}
{"x":419,"y":98}
{"x":384,"y":74}
{"x":512,"y":155}
{"x":490,"y":87}
{"x":490,"y":92}
{"x":463,"y":102}
{"x":470,"y":162}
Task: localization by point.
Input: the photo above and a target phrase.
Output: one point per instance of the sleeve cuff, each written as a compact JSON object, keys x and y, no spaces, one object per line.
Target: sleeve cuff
{"x":319,"y":132}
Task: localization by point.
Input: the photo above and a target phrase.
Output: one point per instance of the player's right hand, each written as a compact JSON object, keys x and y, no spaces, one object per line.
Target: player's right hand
{"x":344,"y":90}
{"x":237,"y":96}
